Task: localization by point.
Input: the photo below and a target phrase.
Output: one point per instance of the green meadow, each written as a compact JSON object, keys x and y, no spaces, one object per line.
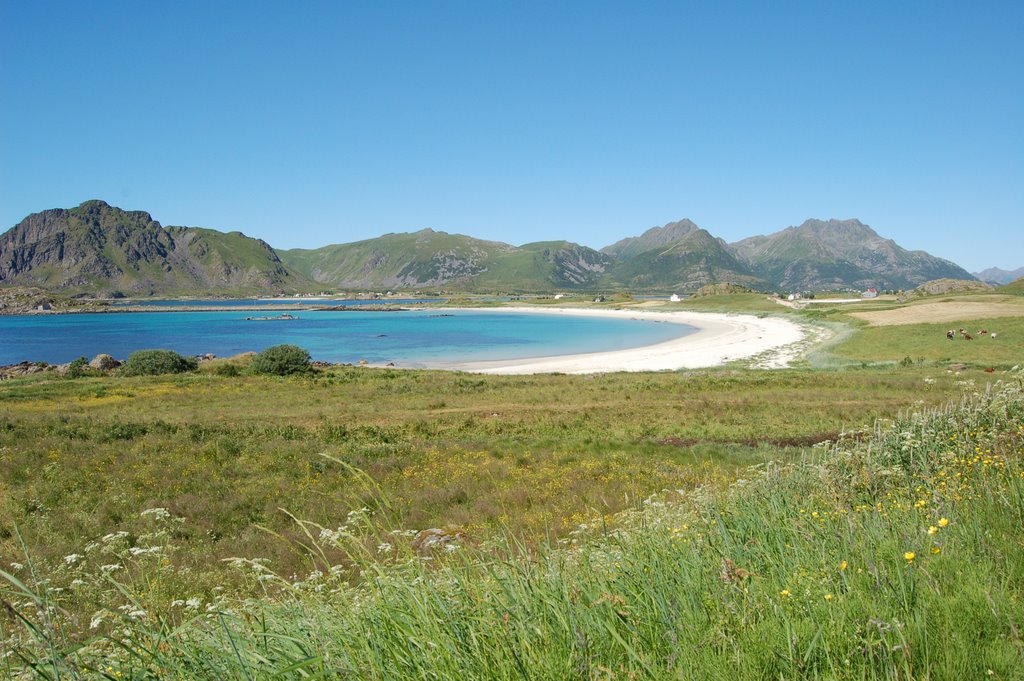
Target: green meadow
{"x":857,"y":516}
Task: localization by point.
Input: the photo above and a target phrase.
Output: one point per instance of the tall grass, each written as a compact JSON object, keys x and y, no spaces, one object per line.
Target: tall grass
{"x":895,"y":555}
{"x":79,"y":459}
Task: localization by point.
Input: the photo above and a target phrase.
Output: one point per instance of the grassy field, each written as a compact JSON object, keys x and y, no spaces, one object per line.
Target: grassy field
{"x":81,"y":458}
{"x":894,"y":556}
{"x":665,"y":525}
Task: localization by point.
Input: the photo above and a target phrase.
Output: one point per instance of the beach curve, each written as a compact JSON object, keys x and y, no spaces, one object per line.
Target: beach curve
{"x":719,"y":338}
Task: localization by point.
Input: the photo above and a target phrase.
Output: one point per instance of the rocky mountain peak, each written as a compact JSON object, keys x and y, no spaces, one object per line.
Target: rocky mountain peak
{"x":654,"y":237}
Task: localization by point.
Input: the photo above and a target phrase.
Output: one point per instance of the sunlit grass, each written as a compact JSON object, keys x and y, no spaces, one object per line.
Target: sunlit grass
{"x":890,"y":555}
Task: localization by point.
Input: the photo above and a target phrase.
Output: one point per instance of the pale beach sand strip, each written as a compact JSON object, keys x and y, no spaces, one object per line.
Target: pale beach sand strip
{"x":719,"y":338}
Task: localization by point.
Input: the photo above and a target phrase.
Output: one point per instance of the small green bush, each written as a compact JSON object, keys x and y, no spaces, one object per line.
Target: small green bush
{"x":155,"y":362}
{"x":281,"y":360}
{"x":227,"y":370}
{"x":78,"y":368}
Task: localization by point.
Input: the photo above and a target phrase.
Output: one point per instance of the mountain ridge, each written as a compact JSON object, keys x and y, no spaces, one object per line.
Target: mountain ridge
{"x":999,"y":277}
{"x":840,"y":253}
{"x":98,"y":248}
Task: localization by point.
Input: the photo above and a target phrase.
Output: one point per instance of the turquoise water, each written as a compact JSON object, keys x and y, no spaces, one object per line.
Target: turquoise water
{"x":259,"y":302}
{"x":417,"y":338}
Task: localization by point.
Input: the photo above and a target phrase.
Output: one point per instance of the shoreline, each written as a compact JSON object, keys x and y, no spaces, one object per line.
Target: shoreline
{"x":768,"y":342}
{"x":719,"y":338}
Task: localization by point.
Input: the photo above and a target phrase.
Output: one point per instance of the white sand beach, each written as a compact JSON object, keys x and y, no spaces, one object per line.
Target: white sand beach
{"x":719,"y":338}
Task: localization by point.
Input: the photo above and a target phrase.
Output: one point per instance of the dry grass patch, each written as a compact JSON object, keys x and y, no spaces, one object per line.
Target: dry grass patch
{"x":944,"y":311}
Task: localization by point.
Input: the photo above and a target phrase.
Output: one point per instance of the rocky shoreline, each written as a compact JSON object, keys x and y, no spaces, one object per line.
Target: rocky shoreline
{"x":105,"y":365}
{"x":101,"y":363}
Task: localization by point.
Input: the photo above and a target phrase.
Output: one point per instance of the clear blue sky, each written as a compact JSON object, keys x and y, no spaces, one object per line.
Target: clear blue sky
{"x":312,"y":123}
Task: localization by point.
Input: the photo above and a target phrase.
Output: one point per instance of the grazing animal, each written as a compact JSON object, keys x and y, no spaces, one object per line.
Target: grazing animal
{"x":968,"y":336}
{"x":990,"y":370}
{"x":982,"y":332}
{"x":992,"y":335}
{"x":951,"y":334}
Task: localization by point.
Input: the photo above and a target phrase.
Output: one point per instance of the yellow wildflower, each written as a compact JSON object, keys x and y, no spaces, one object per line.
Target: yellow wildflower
{"x":784,"y":593}
{"x":829,"y":597}
{"x":943,"y":522}
{"x":909,"y":556}
{"x":843,"y":565}
{"x":936,"y":550}
{"x":933,"y":530}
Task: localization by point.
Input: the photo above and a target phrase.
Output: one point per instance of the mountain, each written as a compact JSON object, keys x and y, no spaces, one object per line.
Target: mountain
{"x":653,"y":238}
{"x":685,"y":263}
{"x":429,"y":258}
{"x":994,"y":275}
{"x":839,"y":254}
{"x":547,"y":265}
{"x":99,"y":248}
{"x":1016,"y":286}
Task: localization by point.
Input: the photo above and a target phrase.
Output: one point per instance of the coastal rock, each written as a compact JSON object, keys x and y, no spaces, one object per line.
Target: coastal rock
{"x":945,"y":286}
{"x":104,"y":362}
{"x":22,"y":369}
{"x":720,"y":290}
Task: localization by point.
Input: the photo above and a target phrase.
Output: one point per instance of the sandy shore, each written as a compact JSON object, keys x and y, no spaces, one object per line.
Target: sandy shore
{"x":719,"y":338}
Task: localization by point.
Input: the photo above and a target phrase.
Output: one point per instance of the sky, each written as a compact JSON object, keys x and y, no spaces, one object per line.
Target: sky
{"x":312,"y":123}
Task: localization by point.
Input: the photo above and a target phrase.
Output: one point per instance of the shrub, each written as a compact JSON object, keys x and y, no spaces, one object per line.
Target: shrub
{"x":227,"y":370}
{"x":281,"y":360}
{"x":155,"y":362}
{"x":77,"y":368}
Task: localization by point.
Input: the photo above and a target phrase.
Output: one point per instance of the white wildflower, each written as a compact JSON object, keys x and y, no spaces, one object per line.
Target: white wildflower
{"x":17,"y":566}
{"x":72,"y":558}
{"x":158,"y":513}
{"x":132,"y":610}
{"x":97,"y":619}
{"x":139,"y":551}
{"x":107,"y":569}
{"x":193,"y":603}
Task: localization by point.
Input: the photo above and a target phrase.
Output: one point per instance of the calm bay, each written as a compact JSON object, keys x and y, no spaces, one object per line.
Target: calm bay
{"x":410,"y":338}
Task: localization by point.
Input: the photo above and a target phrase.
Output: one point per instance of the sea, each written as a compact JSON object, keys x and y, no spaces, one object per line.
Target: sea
{"x":420,"y":338}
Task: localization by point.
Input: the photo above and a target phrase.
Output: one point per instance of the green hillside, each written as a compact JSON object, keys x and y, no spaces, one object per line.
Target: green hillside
{"x":1016,"y":287}
{"x":430,"y":258}
{"x":98,"y":248}
{"x":687,"y":264}
{"x":407,"y":260}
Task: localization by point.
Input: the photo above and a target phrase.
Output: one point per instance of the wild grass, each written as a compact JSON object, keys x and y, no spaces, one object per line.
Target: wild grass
{"x":890,"y":555}
{"x":530,"y":456}
{"x":928,"y":343}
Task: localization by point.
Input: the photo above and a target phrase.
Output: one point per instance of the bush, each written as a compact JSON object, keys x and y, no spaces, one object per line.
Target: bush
{"x":77,"y":368}
{"x":281,"y":360}
{"x":155,"y":362}
{"x":227,"y":370}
